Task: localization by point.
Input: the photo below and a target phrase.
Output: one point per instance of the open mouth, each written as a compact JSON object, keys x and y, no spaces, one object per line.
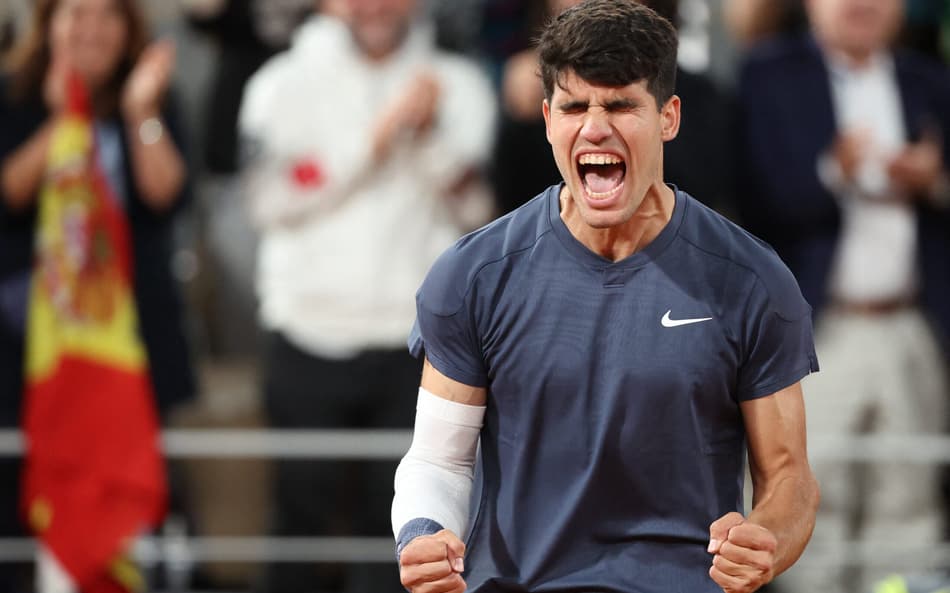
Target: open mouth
{"x":602,"y":174}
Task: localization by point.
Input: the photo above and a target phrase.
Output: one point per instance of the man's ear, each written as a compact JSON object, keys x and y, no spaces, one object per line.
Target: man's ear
{"x":546,"y":111}
{"x":670,"y":119}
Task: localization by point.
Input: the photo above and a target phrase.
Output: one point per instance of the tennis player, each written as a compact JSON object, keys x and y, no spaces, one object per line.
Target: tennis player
{"x":615,"y":347}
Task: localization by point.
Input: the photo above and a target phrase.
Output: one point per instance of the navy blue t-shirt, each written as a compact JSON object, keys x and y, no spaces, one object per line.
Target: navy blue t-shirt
{"x":613,"y":435}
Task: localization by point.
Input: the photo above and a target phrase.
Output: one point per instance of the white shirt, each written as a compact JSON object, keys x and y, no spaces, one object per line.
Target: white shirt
{"x":346,"y":244}
{"x":876,"y":257}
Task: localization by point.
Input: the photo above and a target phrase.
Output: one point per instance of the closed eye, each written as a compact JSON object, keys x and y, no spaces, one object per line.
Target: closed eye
{"x":573,"y":107}
{"x":621,"y":106}
{"x":616,"y":106}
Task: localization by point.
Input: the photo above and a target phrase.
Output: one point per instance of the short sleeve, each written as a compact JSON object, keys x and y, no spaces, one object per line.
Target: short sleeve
{"x":444,"y":330}
{"x":778,"y":341}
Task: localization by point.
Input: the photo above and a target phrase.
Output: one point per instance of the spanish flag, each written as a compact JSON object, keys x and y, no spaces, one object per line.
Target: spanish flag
{"x":93,"y":475}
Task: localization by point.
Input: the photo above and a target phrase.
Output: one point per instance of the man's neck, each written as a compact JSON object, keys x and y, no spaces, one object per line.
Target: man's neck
{"x":853,"y":60}
{"x":850,"y":58}
{"x":622,"y":241}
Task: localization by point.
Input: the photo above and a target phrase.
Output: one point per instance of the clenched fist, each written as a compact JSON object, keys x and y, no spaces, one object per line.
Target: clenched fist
{"x":743,"y":554}
{"x":433,"y":564}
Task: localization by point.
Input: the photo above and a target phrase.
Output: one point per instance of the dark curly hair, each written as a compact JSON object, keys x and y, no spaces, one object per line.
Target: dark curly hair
{"x":611,"y":43}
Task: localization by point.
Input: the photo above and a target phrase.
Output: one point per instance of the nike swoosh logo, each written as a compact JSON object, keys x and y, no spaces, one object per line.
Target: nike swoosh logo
{"x":667,"y":322}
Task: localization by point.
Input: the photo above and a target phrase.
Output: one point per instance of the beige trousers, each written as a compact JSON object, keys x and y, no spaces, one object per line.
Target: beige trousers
{"x":880,"y":375}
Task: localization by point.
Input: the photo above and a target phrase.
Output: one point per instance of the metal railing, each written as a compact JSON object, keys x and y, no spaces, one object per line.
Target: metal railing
{"x":264,"y":443}
{"x":391,"y":444}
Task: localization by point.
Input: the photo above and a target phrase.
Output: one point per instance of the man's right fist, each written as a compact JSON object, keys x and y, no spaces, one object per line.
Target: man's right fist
{"x":433,"y":564}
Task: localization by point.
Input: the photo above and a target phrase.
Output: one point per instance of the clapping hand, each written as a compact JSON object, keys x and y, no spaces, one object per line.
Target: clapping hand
{"x":149,"y":80}
{"x":917,"y":168}
{"x":413,"y":113}
{"x":54,"y":85}
{"x":850,"y":148}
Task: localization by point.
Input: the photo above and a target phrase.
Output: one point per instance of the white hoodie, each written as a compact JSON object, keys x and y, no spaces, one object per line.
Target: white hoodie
{"x":345,"y":244}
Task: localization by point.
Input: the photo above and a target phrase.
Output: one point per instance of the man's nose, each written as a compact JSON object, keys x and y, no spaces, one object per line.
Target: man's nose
{"x":596,"y":125}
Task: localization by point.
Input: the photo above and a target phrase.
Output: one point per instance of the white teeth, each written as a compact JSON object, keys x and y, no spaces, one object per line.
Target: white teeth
{"x":599,"y":159}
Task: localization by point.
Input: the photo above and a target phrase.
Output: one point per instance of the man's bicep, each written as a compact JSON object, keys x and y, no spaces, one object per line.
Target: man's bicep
{"x":438,"y":384}
{"x":775,"y":429}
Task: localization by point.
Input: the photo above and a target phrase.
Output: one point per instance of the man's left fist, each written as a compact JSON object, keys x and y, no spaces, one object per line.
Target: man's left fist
{"x":743,"y":554}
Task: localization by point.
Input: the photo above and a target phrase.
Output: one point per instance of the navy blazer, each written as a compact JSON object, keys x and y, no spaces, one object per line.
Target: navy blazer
{"x":786,"y":121}
{"x":156,"y":293}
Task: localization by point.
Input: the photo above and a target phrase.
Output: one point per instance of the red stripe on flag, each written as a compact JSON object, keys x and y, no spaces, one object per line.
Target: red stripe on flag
{"x":93,"y":458}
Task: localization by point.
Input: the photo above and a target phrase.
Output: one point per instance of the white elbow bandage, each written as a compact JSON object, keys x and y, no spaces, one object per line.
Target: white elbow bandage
{"x":434,"y":479}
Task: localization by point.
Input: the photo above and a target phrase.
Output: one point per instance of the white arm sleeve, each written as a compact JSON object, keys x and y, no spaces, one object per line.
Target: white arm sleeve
{"x":434,"y":479}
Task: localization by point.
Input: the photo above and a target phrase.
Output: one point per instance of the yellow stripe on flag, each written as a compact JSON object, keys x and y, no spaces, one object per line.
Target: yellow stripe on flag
{"x":108,"y":344}
{"x":80,"y":303}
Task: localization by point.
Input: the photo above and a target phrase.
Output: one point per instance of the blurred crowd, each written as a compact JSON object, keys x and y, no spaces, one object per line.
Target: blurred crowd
{"x":291,"y":168}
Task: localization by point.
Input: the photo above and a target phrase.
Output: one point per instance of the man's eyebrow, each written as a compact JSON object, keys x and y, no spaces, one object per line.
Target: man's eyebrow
{"x":621,"y":104}
{"x":573,"y":105}
{"x":612,"y":105}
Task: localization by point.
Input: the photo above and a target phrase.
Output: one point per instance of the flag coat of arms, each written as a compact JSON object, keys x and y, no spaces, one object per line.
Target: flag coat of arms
{"x":93,"y":473}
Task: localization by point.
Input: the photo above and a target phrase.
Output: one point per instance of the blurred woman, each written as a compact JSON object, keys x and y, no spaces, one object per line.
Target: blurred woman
{"x":105,"y":42}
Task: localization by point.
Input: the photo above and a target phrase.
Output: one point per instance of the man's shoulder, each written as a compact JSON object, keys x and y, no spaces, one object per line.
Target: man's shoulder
{"x":783,"y":47}
{"x":463,"y":75}
{"x":456,"y":63}
{"x":777,"y":58}
{"x":455,"y":272}
{"x":295,"y":78}
{"x":922,"y":69}
{"x":268,"y":82}
{"x":718,"y":237}
{"x":319,"y":43}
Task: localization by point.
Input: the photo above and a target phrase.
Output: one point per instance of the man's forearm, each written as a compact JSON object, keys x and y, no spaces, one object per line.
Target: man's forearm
{"x":788,"y":510}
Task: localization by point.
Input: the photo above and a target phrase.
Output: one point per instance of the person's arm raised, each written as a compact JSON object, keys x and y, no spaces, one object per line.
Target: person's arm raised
{"x":158,"y":167}
{"x":22,"y":171}
{"x":751,"y":551}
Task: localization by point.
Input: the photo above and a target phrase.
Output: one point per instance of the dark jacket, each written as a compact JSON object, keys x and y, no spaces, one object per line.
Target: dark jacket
{"x":786,"y":120}
{"x":156,"y":294}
